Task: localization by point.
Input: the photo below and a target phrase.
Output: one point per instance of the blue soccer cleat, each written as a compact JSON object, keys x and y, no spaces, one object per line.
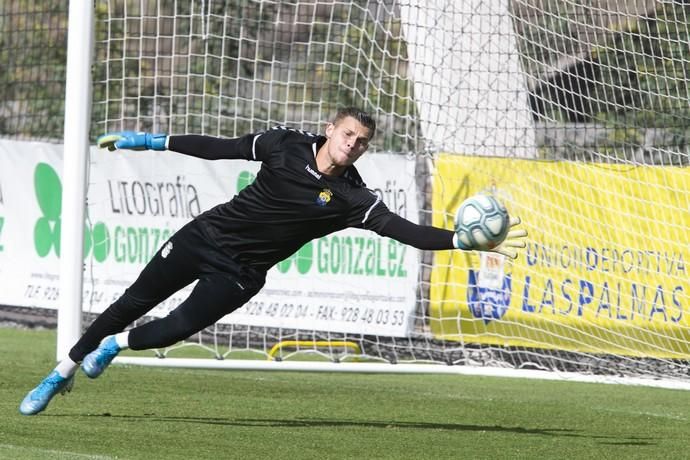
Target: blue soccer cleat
{"x":95,"y":362}
{"x":39,"y":397}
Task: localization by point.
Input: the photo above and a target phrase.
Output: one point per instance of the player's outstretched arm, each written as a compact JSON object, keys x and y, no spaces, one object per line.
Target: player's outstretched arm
{"x":514,"y":240}
{"x":434,"y":238}
{"x":132,"y":140}
{"x":199,"y":146}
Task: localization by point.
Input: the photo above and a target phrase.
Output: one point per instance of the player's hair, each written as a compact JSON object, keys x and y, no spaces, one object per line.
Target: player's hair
{"x":360,"y":115}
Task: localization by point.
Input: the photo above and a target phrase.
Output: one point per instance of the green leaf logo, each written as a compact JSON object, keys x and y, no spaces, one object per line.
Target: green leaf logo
{"x":244,"y":179}
{"x":303,"y":260}
{"x":49,"y":196}
{"x":48,"y":189}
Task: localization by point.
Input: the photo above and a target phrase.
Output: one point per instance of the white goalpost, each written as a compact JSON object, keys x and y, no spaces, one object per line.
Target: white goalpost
{"x":574,"y":115}
{"x":76,"y":151}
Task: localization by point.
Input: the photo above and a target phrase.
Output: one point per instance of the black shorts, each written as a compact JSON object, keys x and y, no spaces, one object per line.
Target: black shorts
{"x":223,"y":285}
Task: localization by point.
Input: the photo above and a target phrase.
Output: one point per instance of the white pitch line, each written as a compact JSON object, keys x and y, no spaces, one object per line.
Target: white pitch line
{"x":53,"y":452}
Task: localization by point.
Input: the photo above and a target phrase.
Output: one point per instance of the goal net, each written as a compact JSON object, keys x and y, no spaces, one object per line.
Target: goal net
{"x":575,"y":114}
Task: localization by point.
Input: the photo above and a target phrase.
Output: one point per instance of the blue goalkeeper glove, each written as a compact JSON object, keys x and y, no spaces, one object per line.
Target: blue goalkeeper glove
{"x":509,"y":246}
{"x":132,"y":140}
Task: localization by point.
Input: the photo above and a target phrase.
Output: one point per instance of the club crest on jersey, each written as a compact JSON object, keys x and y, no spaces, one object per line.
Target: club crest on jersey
{"x":324,"y":197}
{"x":165,"y":252}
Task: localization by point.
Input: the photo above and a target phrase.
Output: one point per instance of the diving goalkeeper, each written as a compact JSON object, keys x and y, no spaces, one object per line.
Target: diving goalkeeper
{"x":307,"y":187}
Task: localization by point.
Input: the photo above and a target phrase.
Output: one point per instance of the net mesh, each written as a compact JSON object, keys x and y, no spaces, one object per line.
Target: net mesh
{"x":33,"y":50}
{"x":574,"y":113}
{"x":228,"y":68}
{"x":597,"y":83}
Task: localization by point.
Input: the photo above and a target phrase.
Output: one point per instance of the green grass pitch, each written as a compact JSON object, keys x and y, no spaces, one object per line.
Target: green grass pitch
{"x":146,"y":413}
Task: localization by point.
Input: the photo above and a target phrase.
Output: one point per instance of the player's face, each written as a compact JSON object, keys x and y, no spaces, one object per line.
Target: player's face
{"x":348,"y":139}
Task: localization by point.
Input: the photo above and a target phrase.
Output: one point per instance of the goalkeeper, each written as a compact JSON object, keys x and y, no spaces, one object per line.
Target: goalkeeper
{"x":307,"y":187}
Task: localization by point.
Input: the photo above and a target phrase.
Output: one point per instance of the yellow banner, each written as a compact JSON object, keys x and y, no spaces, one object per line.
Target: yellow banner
{"x":604,"y":270}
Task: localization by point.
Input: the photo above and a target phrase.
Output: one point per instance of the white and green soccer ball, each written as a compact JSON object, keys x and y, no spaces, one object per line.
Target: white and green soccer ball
{"x":481,"y":222}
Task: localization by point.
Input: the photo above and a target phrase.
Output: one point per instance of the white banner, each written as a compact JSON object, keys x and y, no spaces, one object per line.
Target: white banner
{"x":350,"y":281}
{"x":30,"y":194}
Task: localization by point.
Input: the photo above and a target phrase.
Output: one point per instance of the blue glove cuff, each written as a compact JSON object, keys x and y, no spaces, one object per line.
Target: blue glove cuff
{"x":156,"y":141}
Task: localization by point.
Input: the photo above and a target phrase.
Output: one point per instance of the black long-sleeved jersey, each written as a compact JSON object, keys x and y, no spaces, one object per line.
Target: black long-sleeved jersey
{"x":290,"y":202}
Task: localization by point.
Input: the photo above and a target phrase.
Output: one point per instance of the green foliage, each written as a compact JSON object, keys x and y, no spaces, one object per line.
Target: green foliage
{"x":634,"y":83}
{"x":227,"y":68}
{"x":177,"y":68}
{"x":33,"y":39}
{"x":369,"y":69}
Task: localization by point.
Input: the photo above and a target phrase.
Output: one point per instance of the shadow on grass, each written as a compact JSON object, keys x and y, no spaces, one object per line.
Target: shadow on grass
{"x":388,"y":425}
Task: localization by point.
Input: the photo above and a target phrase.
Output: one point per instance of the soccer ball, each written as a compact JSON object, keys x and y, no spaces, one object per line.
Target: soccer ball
{"x":481,"y":222}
